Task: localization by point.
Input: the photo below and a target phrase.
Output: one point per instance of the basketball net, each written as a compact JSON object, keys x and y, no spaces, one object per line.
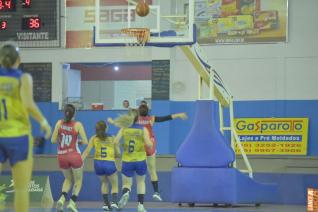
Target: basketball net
{"x":142,"y":35}
{"x":136,"y":40}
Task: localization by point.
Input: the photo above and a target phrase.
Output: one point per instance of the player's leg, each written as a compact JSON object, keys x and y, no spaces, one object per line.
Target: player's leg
{"x":65,"y":167}
{"x":152,"y":169}
{"x":141,"y":170}
{"x":77,"y":170}
{"x":78,"y":179}
{"x":21,"y":161}
{"x":104,"y":191}
{"x":100,"y":170}
{"x":21,"y":173}
{"x":113,"y":179}
{"x":127,"y":174}
{"x":127,"y":183}
{"x":2,"y":203}
{"x":3,"y":158}
{"x":66,"y":187}
{"x":141,"y":190}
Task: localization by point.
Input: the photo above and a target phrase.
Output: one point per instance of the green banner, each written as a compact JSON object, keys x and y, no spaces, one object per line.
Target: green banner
{"x":39,"y":188}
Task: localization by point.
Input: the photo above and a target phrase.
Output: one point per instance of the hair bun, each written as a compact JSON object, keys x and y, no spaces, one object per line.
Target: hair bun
{"x":9,"y":55}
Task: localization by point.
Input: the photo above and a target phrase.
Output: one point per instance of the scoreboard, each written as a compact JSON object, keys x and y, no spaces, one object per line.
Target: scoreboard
{"x":31,"y":23}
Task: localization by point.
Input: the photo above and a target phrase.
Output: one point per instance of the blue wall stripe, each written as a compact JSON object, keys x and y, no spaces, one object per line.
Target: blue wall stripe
{"x":171,"y":134}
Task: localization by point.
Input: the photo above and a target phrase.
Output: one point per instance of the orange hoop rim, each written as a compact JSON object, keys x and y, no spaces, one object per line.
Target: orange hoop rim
{"x":141,"y":34}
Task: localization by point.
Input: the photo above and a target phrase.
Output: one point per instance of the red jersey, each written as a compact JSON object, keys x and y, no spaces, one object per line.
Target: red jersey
{"x":146,"y":122}
{"x":67,"y":138}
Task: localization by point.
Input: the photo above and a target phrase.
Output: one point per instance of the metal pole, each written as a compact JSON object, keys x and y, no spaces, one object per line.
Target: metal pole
{"x":232,"y":128}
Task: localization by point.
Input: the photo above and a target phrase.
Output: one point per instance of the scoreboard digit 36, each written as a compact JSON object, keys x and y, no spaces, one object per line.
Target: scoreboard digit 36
{"x":32,"y":23}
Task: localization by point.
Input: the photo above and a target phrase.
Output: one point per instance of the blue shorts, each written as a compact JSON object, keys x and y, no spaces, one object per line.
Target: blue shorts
{"x":129,"y":168}
{"x":104,"y":167}
{"x":15,"y":149}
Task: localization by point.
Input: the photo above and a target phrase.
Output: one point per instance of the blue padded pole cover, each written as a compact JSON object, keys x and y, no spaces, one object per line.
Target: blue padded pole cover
{"x":205,"y":145}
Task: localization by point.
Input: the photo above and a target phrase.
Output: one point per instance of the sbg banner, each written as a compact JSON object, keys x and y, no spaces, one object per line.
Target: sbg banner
{"x":272,"y":136}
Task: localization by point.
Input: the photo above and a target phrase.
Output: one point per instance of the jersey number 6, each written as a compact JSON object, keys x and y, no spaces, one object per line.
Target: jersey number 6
{"x":5,"y":112}
{"x":131,"y":146}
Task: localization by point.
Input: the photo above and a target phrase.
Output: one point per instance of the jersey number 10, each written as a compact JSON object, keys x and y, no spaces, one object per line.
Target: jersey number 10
{"x":66,"y":140}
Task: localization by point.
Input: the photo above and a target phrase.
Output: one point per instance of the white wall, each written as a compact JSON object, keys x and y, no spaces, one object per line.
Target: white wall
{"x":60,"y":56}
{"x":98,"y":92}
{"x":73,"y":78}
{"x":131,"y":90}
{"x":113,"y":93}
{"x":252,"y":72}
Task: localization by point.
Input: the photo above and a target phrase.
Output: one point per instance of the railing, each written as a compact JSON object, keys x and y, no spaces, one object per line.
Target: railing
{"x":218,"y":90}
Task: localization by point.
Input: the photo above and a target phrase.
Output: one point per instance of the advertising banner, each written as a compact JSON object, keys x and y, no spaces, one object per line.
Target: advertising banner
{"x":272,"y":136}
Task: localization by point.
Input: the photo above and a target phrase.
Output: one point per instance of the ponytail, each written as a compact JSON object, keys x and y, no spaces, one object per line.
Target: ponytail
{"x":9,"y":54}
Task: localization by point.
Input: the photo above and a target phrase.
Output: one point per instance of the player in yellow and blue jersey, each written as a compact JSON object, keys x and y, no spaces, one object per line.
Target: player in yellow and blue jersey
{"x":134,"y":156}
{"x":104,"y":163}
{"x":16,"y":105}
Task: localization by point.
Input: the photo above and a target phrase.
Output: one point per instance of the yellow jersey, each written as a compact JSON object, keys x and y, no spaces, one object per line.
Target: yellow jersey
{"x":133,"y":146}
{"x":14,"y":118}
{"x":104,"y":149}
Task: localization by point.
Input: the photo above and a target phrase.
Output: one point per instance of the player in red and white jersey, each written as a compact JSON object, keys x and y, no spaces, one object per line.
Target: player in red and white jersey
{"x":66,"y":134}
{"x":148,"y":121}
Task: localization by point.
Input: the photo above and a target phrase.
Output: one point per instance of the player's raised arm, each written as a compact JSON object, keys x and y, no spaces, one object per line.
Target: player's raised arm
{"x":182,"y":116}
{"x":117,"y":142}
{"x":110,"y":120}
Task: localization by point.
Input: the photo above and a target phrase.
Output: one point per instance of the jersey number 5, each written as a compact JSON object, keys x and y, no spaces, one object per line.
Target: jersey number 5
{"x":3,"y":109}
{"x":66,"y":140}
{"x":103,"y":152}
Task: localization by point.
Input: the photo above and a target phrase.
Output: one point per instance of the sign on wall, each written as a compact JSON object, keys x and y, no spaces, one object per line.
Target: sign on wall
{"x":160,"y":84}
{"x":241,"y":21}
{"x":42,"y":80}
{"x":272,"y":136}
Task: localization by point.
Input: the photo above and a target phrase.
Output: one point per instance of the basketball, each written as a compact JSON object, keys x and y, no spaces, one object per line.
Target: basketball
{"x":142,"y":9}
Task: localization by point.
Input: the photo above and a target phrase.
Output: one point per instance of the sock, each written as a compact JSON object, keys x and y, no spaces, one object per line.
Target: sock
{"x":141,"y":198}
{"x":125,"y":190}
{"x":64,"y":194}
{"x":114,"y":197}
{"x":74,"y":198}
{"x":105,"y":197}
{"x":155,"y":186}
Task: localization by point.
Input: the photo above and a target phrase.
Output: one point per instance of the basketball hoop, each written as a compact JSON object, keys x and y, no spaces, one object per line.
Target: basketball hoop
{"x":142,"y":36}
